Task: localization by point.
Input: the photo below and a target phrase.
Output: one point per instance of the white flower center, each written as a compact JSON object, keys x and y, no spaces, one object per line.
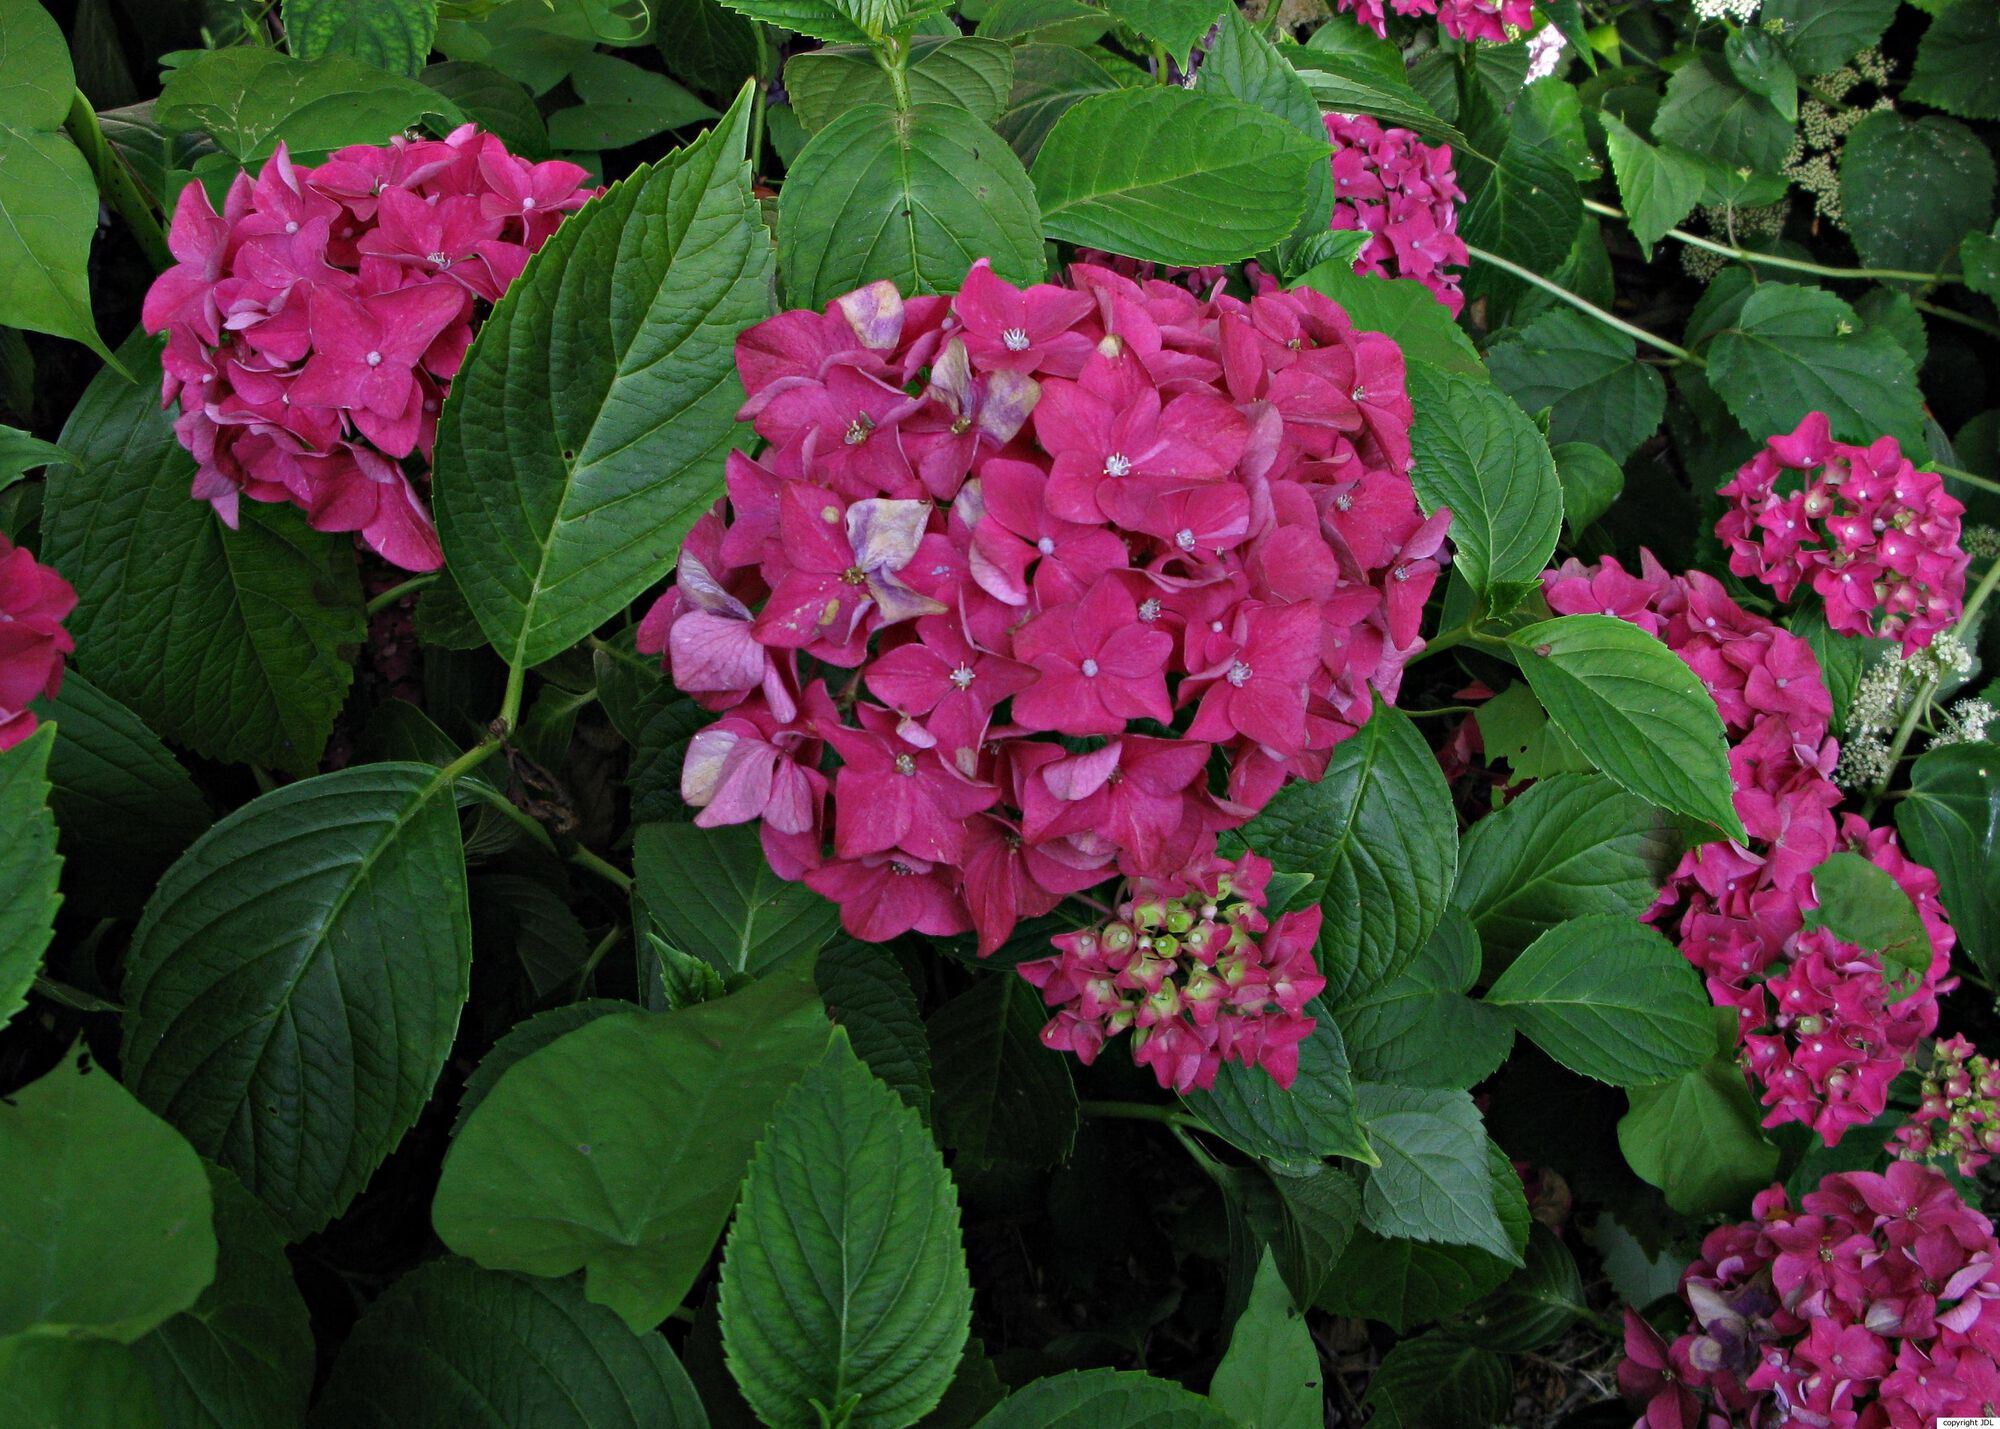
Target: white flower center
{"x":962,"y":676}
{"x":1239,"y":674}
{"x":905,"y":764}
{"x":439,"y":259}
{"x":1015,"y":338}
{"x":1149,"y":610}
{"x":1047,"y":545}
{"x":1117,"y":464}
{"x":292,"y":227}
{"x":858,"y":430}
{"x":1184,"y":538}
{"x":528,"y":202}
{"x":1090,"y":669}
{"x":374,"y":359}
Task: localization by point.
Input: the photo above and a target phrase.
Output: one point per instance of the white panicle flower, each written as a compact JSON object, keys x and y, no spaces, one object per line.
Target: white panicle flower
{"x":1864,"y":762}
{"x":1741,"y":11}
{"x":1966,"y":723}
{"x":1544,"y":52}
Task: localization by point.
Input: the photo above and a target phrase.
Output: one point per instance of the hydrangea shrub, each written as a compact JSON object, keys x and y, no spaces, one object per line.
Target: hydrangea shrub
{"x":894,"y":715}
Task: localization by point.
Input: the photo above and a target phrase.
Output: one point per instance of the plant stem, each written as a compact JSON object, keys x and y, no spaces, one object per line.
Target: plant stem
{"x":1441,"y":711}
{"x":470,"y":760}
{"x":1441,"y":642}
{"x":605,"y":945}
{"x":1953,"y":315}
{"x":757,"y":100}
{"x":115,"y":183}
{"x":1773,"y":260}
{"x":394,"y":593}
{"x":1137,"y":1111}
{"x":1969,"y":478}
{"x":1584,"y":305}
{"x":510,"y":699}
{"x":894,"y":56}
{"x":610,"y":873}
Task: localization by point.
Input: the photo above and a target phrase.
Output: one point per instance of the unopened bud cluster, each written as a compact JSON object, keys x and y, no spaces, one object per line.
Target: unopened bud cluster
{"x":1958,"y":1114}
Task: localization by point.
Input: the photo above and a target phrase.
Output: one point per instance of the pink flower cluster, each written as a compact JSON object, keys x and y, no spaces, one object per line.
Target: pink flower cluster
{"x":1865,"y":1308}
{"x":1822,"y":1029}
{"x":1388,"y":183}
{"x":34,"y":602}
{"x":1958,"y":1115}
{"x":1197,"y":972}
{"x":315,"y":324}
{"x":1461,"y":19}
{"x":1035,"y":564}
{"x":1877,"y":539}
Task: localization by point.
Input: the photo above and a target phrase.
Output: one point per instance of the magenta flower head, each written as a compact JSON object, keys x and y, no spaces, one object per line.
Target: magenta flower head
{"x":1488,"y":20}
{"x":1875,"y":538}
{"x":1404,"y":194}
{"x":34,"y":602}
{"x":314,"y":325}
{"x":1031,"y":590}
{"x":1869,"y":1304}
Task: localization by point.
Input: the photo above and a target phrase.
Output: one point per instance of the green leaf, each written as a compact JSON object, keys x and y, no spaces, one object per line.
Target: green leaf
{"x":1048,"y":79}
{"x":866,"y":991}
{"x":1404,"y":1283}
{"x":241,"y":1357}
{"x":1697,"y":1139}
{"x":48,"y":199}
{"x":450,"y":1343}
{"x":1514,"y":727}
{"x":1660,"y":186}
{"x":622,"y":105}
{"x":913,"y":197}
{"x":1478,"y":453}
{"x":816,"y":18}
{"x":30,"y":868}
{"x":1244,"y":65}
{"x":228,"y":642}
{"x":1434,"y":1182}
{"x":21,"y":453}
{"x":494,"y":101}
{"x":48,"y":1383}
{"x":249,"y":99}
{"x":1591,"y":482}
{"x":1634,"y":710}
{"x":394,"y":35}
{"x":1348,"y":83}
{"x":844,"y":1288}
{"x":1911,"y":188}
{"x":1421,"y":1030}
{"x":1588,"y":377}
{"x":1176,"y":25}
{"x":1322,"y":1208}
{"x":294,"y":986}
{"x":1435,"y":1382}
{"x":973,"y":74}
{"x":1796,"y":350}
{"x":1377,"y":834}
{"x":617,"y":1148}
{"x":1173,"y":175}
{"x":708,"y":46}
{"x":1609,"y":998}
{"x":1524,"y":206}
{"x":1536,"y":1304}
{"x":1001,"y":1096}
{"x":1422,"y":325}
{"x":1757,"y":58}
{"x":1708,"y":112}
{"x":1572,"y":845}
{"x":106,"y":1209}
{"x":1860,"y":903}
{"x":1958,"y":62}
{"x":715,"y":895}
{"x":1823,"y":35}
{"x":1316,"y":1117}
{"x":1104,"y":1399}
{"x":1045,"y":22}
{"x":1950,"y":822}
{"x":124,"y":805}
{"x":530,"y":1035}
{"x":586,"y":430}
{"x":530,"y":917}
{"x":1270,"y":1377}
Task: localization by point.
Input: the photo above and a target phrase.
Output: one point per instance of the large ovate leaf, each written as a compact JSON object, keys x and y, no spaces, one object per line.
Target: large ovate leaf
{"x":1958,"y":62}
{"x":30,"y":868}
{"x":450,"y":1343}
{"x":497,"y":103}
{"x":1001,"y":1096}
{"x":1477,"y":453}
{"x":714,"y":894}
{"x":621,"y":104}
{"x":1950,"y":822}
{"x":1634,"y":710}
{"x":51,"y":1383}
{"x":1697,"y":1139}
{"x":227,"y":641}
{"x":1437,"y":1382}
{"x":617,"y":1148}
{"x":1860,"y":903}
{"x":295,"y":984}
{"x":1434,"y":1182}
{"x":1823,"y":35}
{"x":1573,"y":844}
{"x":1591,"y":482}
{"x":1660,"y":186}
{"x":844,"y":1287}
{"x":710,"y":46}
{"x":866,"y":991}
{"x":1588,"y":378}
{"x":1610,"y":998}
{"x":586,"y":431}
{"x":240,"y":1357}
{"x":48,"y":199}
{"x":1793,"y":350}
{"x":1174,"y":176}
{"x":105,"y":1215}
{"x":249,"y":99}
{"x":1048,"y":79}
{"x":1246,"y":66}
{"x":1104,"y":1399}
{"x":1911,"y":188}
{"x":1314,"y":1118}
{"x":973,"y":73}
{"x":1350,"y":83}
{"x":1270,"y":1377}
{"x":821,"y":19}
{"x":915,"y":197}
{"x":1178,"y":25}
{"x":1378,"y":837}
{"x":394,"y":35}
{"x":1535,"y":1305}
{"x":1421,"y":1030}
{"x":1709,"y":112}
{"x":124,"y":805}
